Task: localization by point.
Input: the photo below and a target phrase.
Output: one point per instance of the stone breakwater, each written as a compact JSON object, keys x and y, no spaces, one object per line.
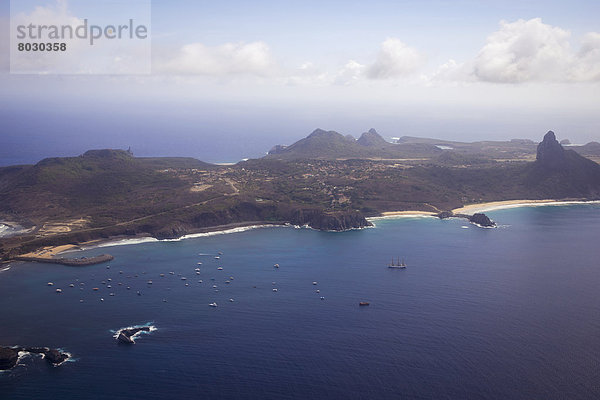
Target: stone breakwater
{"x":74,"y":262}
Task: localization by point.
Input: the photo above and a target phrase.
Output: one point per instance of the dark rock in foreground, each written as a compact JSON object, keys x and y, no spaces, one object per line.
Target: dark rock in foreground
{"x":9,"y":356}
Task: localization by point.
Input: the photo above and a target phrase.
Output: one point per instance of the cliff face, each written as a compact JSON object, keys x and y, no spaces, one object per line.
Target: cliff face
{"x":329,"y":221}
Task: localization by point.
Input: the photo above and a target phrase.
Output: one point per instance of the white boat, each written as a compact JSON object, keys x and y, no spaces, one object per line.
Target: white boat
{"x":213,"y":304}
{"x":220,"y":268}
{"x":50,"y":284}
{"x":58,"y":290}
{"x":274,"y":290}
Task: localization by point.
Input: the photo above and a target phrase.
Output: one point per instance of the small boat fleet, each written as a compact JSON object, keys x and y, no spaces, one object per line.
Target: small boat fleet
{"x":397,"y":264}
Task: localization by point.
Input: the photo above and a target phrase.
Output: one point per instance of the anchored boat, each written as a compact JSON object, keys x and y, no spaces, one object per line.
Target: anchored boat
{"x":397,"y":264}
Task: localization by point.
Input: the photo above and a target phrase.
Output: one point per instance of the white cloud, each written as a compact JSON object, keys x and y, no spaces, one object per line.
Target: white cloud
{"x":228,"y":59}
{"x":350,"y":73}
{"x":453,"y":71}
{"x":395,"y":59}
{"x":524,"y":51}
{"x":527,"y":51}
{"x":587,"y":65}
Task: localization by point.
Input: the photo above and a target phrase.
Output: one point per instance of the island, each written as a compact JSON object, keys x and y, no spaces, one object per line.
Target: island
{"x":326,"y":181}
{"x":129,"y":334}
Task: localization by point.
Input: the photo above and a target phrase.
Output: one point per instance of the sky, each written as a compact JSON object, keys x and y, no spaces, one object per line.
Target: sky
{"x":230,"y":79}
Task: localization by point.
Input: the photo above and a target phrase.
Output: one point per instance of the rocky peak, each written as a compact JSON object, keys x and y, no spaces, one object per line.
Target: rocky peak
{"x":324,"y":133}
{"x":550,"y":153}
{"x":371,"y":138}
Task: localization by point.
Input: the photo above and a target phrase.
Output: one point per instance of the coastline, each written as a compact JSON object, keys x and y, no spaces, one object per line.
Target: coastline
{"x":139,"y":239}
{"x":54,"y":251}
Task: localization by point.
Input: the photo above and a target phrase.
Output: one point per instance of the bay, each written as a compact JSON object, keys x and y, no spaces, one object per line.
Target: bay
{"x":511,"y":312}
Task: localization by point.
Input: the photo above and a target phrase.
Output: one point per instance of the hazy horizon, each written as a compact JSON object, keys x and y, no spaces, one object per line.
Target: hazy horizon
{"x":231,"y":80}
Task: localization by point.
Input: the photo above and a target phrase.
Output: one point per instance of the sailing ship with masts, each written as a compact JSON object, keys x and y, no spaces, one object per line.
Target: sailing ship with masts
{"x":397,"y":264}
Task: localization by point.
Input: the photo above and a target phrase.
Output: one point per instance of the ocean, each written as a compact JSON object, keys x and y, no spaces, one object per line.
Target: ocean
{"x":505,"y":313}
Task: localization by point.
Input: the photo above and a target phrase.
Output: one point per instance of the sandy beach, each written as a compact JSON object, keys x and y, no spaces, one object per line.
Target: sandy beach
{"x":498,"y":205}
{"x":50,"y":251}
{"x":406,"y":213}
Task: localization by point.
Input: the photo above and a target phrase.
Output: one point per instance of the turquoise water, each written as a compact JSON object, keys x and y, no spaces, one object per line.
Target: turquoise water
{"x":511,"y":312}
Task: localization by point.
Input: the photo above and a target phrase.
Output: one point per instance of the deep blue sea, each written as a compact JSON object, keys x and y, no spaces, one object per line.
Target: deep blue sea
{"x":506,"y":313}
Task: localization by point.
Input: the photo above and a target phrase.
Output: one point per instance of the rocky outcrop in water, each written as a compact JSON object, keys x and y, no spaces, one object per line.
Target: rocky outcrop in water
{"x":479,"y":219}
{"x":9,"y":356}
{"x":128,"y":335}
{"x":482,"y":220}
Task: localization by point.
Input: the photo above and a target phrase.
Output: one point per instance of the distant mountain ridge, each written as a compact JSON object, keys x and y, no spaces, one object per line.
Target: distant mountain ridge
{"x":321,"y":144}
